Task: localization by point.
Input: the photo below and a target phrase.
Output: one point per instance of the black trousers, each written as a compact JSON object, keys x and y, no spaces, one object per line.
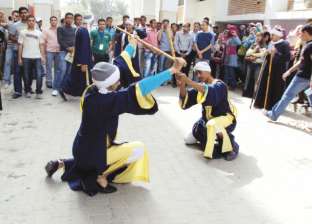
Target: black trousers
{"x":100,"y":58}
{"x":188,"y":58}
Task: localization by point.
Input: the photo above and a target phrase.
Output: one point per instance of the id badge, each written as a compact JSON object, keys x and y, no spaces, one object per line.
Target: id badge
{"x":101,"y":47}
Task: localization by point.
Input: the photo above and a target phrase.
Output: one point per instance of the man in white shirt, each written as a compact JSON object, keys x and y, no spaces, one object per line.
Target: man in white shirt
{"x":31,"y":55}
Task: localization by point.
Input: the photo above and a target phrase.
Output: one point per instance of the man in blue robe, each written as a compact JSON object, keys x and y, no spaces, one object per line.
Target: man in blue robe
{"x":97,"y":159}
{"x":79,"y":78}
{"x":218,"y":119}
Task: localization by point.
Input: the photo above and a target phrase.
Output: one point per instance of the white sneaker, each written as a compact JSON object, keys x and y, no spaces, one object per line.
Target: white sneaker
{"x":27,"y":95}
{"x":38,"y":96}
{"x":6,"y":86}
{"x":54,"y":93}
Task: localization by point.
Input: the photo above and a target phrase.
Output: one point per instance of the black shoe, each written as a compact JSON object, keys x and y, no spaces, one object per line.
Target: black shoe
{"x":229,"y":156}
{"x":51,"y":167}
{"x":62,"y":94}
{"x":48,"y":85}
{"x":108,"y":189}
{"x":16,"y":95}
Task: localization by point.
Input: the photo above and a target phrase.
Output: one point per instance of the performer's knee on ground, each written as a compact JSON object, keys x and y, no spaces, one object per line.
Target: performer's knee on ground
{"x":137,"y":153}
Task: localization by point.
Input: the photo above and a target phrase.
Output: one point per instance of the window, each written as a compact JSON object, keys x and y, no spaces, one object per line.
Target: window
{"x":302,"y":4}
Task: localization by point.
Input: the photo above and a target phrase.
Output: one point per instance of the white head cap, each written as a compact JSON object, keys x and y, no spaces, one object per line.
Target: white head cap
{"x":277,"y":31}
{"x":105,"y":75}
{"x":202,"y":66}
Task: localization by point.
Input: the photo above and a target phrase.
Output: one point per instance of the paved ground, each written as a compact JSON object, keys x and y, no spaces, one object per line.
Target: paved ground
{"x":270,"y":182}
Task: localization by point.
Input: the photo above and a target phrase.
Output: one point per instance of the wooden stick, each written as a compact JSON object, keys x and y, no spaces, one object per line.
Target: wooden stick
{"x":257,"y":84}
{"x":268,"y":82}
{"x":151,"y":47}
{"x":0,"y":100}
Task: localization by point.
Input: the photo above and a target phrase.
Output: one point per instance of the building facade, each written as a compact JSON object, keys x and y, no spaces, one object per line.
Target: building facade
{"x":287,"y":13}
{"x":39,"y":8}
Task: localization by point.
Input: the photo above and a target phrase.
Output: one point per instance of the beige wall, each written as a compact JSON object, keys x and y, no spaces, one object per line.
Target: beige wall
{"x":171,"y":15}
{"x":196,"y":11}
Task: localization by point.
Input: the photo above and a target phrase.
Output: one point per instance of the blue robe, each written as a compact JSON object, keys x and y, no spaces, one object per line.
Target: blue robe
{"x":119,"y":61}
{"x":75,"y":83}
{"x":97,"y":132}
{"x":214,"y":103}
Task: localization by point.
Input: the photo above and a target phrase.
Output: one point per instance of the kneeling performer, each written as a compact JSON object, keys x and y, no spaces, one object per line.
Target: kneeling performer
{"x":97,"y":159}
{"x":214,"y":129}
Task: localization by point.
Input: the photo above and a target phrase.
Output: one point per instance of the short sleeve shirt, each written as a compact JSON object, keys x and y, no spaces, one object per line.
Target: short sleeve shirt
{"x":305,"y":68}
{"x":100,"y":42}
{"x":31,"y":40}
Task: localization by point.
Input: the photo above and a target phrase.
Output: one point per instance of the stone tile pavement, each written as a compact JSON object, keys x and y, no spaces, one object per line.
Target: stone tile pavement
{"x":269,"y":183}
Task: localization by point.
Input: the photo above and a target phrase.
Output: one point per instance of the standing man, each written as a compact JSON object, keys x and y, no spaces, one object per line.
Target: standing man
{"x":109,"y":27}
{"x":52,"y":49}
{"x":142,"y":27}
{"x":204,"y":42}
{"x":15,"y":32}
{"x":79,"y":77}
{"x":11,"y":51}
{"x":78,"y":20}
{"x":183,"y":44}
{"x":100,"y":42}
{"x":31,"y":55}
{"x":301,"y":81}
{"x":66,"y":40}
{"x":164,"y":39}
{"x":112,"y":31}
{"x":150,"y":57}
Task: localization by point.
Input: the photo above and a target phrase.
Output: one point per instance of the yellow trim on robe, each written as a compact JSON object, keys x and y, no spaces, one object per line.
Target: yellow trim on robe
{"x":145,"y":102}
{"x":184,"y":102}
{"x":83,"y":97}
{"x":117,"y":157}
{"x":214,"y":126}
{"x":128,"y":61}
{"x":208,"y":110}
{"x":202,"y":97}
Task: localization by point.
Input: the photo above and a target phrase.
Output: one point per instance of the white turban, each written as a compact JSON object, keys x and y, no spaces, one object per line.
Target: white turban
{"x":105,"y":75}
{"x":277,"y":32}
{"x":202,"y":66}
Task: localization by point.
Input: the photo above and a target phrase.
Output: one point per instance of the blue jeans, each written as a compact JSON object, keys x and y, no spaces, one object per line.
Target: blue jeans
{"x":229,"y":76}
{"x":65,"y":67}
{"x":297,"y":85}
{"x":162,"y":62}
{"x":150,"y":62}
{"x":32,"y":64}
{"x":54,"y":60}
{"x":10,"y":62}
{"x":253,"y":70}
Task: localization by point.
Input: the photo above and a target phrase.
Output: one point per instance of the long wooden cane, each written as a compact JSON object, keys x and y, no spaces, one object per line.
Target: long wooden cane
{"x":256,"y":91}
{"x":268,"y":82}
{"x":0,"y":100}
{"x":148,"y":45}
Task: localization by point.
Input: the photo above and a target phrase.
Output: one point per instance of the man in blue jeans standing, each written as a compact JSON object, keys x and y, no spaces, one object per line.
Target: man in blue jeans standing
{"x":66,"y":40}
{"x":302,"y":79}
{"x":31,"y":55}
{"x":11,"y":52}
{"x":52,"y":49}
